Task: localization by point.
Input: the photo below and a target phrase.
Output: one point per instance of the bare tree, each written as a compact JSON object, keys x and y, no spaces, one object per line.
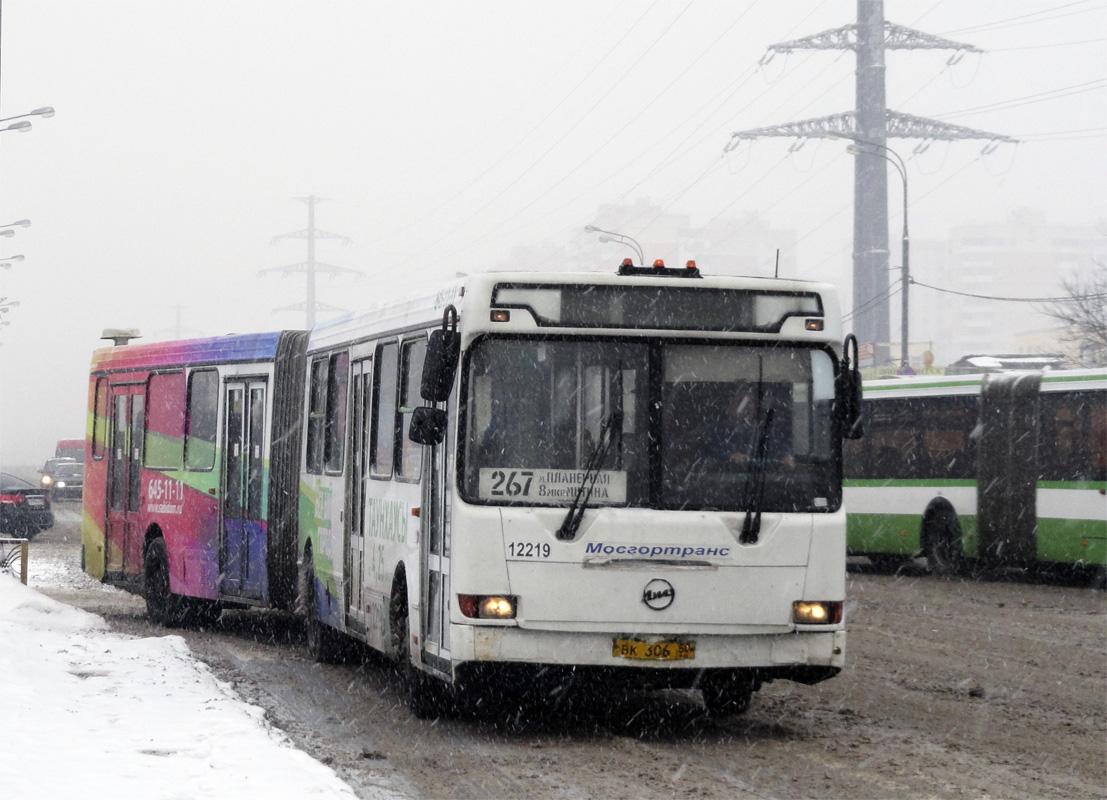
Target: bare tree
{"x":1083,"y":312}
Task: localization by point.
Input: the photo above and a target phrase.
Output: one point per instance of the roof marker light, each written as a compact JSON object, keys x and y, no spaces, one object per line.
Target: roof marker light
{"x":500,"y":315}
{"x":659,"y":263}
{"x":690,"y":265}
{"x":814,"y":325}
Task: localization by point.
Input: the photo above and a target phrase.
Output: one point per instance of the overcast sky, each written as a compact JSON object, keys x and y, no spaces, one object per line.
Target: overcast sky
{"x":444,"y":134}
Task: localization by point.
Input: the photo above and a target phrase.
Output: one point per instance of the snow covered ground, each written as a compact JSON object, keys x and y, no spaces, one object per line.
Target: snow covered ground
{"x":88,"y":713}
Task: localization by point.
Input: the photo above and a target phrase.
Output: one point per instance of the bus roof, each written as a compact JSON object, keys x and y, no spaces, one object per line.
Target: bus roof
{"x":475,"y":290}
{"x":216,"y":349}
{"x":935,"y":385}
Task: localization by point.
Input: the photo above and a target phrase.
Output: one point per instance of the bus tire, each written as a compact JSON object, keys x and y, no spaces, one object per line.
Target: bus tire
{"x":942,"y":539}
{"x":162,"y":606}
{"x":726,"y":694}
{"x":426,"y":696}
{"x":323,"y":642}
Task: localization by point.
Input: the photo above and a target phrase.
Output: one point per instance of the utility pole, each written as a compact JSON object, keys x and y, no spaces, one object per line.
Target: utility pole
{"x":311,"y":266}
{"x":871,"y":123}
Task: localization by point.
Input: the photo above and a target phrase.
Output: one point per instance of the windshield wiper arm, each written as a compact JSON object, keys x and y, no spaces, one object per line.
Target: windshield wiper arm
{"x":571,"y":523}
{"x":754,"y":492}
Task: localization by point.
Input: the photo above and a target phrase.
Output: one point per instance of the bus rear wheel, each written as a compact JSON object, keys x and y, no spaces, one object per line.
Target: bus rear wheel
{"x":323,"y":641}
{"x":942,"y":534}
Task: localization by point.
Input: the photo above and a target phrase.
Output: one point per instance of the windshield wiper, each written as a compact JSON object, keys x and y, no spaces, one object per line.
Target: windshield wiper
{"x":571,"y":523}
{"x":754,"y":490}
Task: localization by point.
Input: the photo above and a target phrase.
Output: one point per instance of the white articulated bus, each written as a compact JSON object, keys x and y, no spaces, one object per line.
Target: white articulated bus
{"x":536,"y":476}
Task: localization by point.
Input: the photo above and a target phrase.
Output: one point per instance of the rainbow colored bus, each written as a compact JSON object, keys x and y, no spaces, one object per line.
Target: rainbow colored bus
{"x":192,"y":471}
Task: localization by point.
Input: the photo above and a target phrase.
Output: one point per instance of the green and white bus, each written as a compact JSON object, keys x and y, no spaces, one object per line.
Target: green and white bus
{"x":1004,"y":469}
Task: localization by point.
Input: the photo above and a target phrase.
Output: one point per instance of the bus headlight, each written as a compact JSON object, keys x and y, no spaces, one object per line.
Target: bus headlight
{"x":810,"y":612}
{"x":487,"y":606}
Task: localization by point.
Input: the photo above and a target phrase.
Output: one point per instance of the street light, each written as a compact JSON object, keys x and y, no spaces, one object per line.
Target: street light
{"x":618,"y":238}
{"x":45,"y":111}
{"x":23,"y":126}
{"x":905,"y":270}
{"x":13,"y":258}
{"x":7,"y":230}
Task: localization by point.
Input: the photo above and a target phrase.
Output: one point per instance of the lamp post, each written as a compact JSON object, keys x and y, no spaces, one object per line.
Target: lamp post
{"x":24,"y":125}
{"x":618,"y":238}
{"x":893,"y":158}
{"x":9,"y":230}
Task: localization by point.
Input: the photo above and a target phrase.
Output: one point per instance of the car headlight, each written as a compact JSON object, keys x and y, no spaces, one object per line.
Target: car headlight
{"x":61,"y":484}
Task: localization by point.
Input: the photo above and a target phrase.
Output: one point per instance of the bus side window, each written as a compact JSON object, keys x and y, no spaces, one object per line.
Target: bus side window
{"x":165,"y":421}
{"x":409,"y":456}
{"x":317,"y":416}
{"x":100,"y":419}
{"x":335,"y":426}
{"x":201,"y":416}
{"x":385,"y":384}
{"x":1070,"y":447}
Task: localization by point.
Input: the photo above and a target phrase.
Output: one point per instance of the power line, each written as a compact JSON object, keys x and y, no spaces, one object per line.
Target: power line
{"x":1052,"y":94}
{"x":1101,"y":295}
{"x":1024,"y":19}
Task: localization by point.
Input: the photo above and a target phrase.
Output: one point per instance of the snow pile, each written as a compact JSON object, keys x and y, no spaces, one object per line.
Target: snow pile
{"x":91,"y":714}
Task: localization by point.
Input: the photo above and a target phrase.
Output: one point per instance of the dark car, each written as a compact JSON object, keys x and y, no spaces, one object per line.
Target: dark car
{"x":49,"y":468}
{"x":24,"y":508}
{"x":69,"y":482}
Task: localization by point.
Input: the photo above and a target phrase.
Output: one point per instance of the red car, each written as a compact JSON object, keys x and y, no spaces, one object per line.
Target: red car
{"x":24,"y":508}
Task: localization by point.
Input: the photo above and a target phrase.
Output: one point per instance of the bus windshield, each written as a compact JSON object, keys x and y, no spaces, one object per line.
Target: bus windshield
{"x":695,"y":426}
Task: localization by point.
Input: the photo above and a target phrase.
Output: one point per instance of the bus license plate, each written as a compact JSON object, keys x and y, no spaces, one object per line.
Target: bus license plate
{"x":653,"y":651}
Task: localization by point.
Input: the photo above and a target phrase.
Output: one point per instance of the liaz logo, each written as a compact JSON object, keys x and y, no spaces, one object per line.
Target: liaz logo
{"x":658,"y":594}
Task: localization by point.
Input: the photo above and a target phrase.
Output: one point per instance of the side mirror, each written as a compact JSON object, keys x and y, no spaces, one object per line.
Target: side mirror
{"x":428,"y":426}
{"x":440,"y":364}
{"x":847,"y":393}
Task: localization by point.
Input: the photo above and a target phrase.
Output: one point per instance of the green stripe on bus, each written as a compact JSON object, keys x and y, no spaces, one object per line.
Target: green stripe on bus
{"x":939,"y":483}
{"x":1072,"y":541}
{"x":889,"y":483}
{"x":1047,"y":378}
{"x":1061,"y":541}
{"x":1099,"y":486}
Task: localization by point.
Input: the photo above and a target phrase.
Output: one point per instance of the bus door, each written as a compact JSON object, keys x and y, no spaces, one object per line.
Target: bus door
{"x":434,"y":543}
{"x":362,"y":392}
{"x":243,"y":547}
{"x":124,"y":540}
{"x":1007,"y":468}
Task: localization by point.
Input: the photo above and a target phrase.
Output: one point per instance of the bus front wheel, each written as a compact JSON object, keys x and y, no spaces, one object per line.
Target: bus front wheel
{"x":162,"y":606}
{"x":426,"y":695}
{"x":725,"y":694}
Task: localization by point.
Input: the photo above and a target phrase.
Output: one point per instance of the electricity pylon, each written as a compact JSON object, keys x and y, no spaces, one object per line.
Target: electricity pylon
{"x":871,"y":124}
{"x":311,"y":266}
